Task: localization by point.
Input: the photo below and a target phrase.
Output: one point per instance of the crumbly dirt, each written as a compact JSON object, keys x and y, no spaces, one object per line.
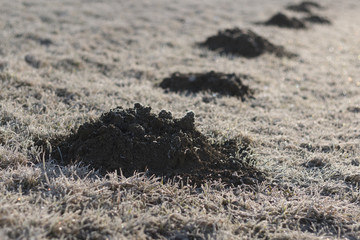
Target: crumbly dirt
{"x":281,"y":20}
{"x":135,"y":139}
{"x":304,"y":6}
{"x":243,"y":42}
{"x":317,"y":19}
{"x":216,"y":82}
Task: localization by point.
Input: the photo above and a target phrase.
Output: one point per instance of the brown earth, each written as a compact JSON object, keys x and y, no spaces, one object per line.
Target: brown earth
{"x":135,"y":139}
{"x":216,"y":82}
{"x":244,"y":43}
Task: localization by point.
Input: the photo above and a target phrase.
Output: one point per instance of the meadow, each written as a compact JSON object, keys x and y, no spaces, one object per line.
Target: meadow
{"x":66,"y":63}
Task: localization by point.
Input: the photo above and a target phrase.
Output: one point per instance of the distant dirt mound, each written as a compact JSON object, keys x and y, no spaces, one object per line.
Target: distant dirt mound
{"x":304,"y":6}
{"x":134,"y":139}
{"x":225,"y":84}
{"x":317,"y":19}
{"x":281,"y":20}
{"x":243,"y":43}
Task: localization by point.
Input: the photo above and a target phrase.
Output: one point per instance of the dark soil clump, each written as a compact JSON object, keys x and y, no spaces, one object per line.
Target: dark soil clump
{"x":281,"y":20}
{"x":354,"y":109}
{"x":135,"y":139}
{"x":32,"y":61}
{"x":225,"y":84}
{"x":317,"y":19}
{"x":244,"y":43}
{"x":304,"y":6}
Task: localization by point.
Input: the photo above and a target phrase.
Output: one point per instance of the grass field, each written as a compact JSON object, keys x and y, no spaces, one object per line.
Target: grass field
{"x":63,"y":63}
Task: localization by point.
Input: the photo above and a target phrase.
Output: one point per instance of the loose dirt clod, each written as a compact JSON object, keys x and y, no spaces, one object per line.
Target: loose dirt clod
{"x":32,"y":61}
{"x":354,"y":109}
{"x":317,"y":19}
{"x":134,"y":139}
{"x":304,"y":6}
{"x":225,"y":84}
{"x":244,"y":43}
{"x":281,"y":20}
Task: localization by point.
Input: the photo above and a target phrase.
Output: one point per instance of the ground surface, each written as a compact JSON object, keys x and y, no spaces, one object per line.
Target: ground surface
{"x":63,"y":63}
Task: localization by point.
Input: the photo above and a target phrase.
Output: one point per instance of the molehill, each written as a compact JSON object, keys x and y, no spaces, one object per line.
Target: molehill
{"x":216,"y":82}
{"x":135,"y":139}
{"x":304,"y":6}
{"x":244,"y":43}
{"x":281,"y":20}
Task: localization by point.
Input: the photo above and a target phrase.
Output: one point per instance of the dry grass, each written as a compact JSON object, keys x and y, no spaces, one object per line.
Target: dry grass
{"x":91,"y":56}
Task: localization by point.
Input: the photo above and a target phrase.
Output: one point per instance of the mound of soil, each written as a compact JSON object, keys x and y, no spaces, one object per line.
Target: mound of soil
{"x":304,"y":6}
{"x":317,"y":19}
{"x":281,"y":20}
{"x":225,"y":84}
{"x":134,"y":139}
{"x":243,"y":43}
